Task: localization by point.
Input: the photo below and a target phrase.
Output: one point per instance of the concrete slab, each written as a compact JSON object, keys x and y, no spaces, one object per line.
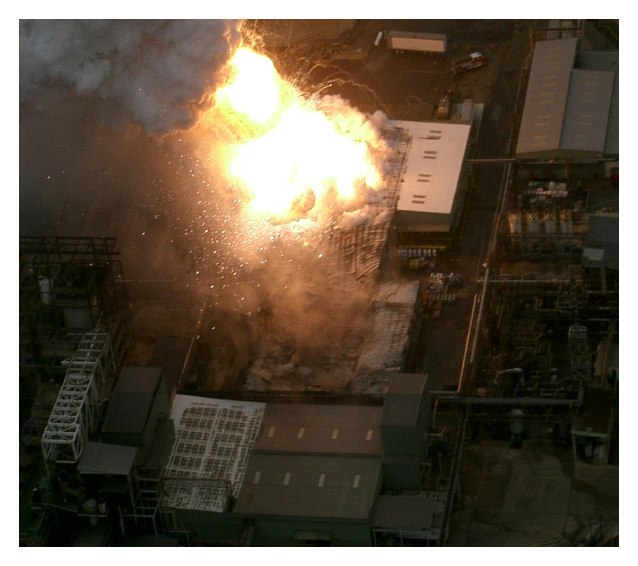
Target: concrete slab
{"x":536,"y":504}
{"x":535,"y":496}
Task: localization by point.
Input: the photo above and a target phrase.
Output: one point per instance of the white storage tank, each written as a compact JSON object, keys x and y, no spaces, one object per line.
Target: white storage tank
{"x":533,"y":225}
{"x":566,"y":222}
{"x":516,"y":221}
{"x":549,"y":221}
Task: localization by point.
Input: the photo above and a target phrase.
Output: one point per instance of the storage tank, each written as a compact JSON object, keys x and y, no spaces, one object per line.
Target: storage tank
{"x":516,"y":221}
{"x":533,"y":226}
{"x":549,"y":221}
{"x":566,"y":223}
{"x":45,"y":290}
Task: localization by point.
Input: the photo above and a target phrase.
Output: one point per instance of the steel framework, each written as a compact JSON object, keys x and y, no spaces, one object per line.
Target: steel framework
{"x":76,"y":412}
{"x":579,"y":352}
{"x":68,"y":285}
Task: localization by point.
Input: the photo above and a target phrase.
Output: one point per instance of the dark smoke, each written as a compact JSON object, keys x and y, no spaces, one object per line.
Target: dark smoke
{"x":160,"y":73}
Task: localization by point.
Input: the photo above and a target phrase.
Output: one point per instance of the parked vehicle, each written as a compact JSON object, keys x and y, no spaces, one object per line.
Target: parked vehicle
{"x":467,"y":62}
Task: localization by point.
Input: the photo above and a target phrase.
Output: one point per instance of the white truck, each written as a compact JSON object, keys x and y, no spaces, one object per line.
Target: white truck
{"x":402,"y":41}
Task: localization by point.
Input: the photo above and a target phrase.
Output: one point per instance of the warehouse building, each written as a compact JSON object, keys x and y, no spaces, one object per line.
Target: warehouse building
{"x":300,"y":474}
{"x":571,"y":106}
{"x":434,"y":178}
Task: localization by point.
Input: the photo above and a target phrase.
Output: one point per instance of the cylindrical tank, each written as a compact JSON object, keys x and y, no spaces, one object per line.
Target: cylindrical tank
{"x":90,"y":507}
{"x":515,"y":221}
{"x":45,"y":290}
{"x":517,"y":421}
{"x":566,"y":223}
{"x":533,"y":226}
{"x":549,"y":221}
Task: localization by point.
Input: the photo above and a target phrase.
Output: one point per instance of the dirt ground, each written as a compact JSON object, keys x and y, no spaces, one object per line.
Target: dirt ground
{"x":536,"y":496}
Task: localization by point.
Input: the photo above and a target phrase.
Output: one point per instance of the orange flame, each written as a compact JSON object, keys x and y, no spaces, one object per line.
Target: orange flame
{"x":303,"y":160}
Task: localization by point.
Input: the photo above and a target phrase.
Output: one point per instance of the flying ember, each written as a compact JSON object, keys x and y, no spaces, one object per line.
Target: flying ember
{"x":300,"y":157}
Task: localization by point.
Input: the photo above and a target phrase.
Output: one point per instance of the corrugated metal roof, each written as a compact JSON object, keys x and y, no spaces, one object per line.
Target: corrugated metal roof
{"x":397,"y":293}
{"x":605,"y":61}
{"x":327,"y":429}
{"x":408,"y":383}
{"x":384,"y":351}
{"x":102,"y":458}
{"x":394,"y":306}
{"x":613,"y":122}
{"x":321,"y":487}
{"x":131,"y":400}
{"x":546,"y":98}
{"x":408,"y":512}
{"x":433,"y":166}
{"x":587,"y":110}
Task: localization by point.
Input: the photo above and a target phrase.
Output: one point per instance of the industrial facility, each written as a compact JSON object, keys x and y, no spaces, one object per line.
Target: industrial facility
{"x":468,"y":320}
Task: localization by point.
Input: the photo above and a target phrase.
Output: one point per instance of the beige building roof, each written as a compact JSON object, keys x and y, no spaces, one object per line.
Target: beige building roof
{"x":433,"y":166}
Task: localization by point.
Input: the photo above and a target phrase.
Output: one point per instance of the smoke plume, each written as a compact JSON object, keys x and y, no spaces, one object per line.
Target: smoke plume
{"x":161,"y":73}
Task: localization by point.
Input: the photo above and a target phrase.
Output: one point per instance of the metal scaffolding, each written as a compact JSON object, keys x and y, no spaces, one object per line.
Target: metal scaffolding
{"x":579,"y":353}
{"x":68,"y":286}
{"x":76,"y":412}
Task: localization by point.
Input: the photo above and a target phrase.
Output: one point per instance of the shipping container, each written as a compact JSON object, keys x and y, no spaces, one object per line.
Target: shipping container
{"x":402,"y":41}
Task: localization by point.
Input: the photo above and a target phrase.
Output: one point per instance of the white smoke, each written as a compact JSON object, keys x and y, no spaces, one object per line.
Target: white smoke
{"x":162,"y":73}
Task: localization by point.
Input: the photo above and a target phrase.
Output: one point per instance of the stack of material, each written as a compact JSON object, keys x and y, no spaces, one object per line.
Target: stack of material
{"x":358,"y":249}
{"x":383,"y":354}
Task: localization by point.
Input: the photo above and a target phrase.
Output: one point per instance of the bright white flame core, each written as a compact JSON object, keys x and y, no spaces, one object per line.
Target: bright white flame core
{"x":306,"y":160}
{"x":255,"y":88}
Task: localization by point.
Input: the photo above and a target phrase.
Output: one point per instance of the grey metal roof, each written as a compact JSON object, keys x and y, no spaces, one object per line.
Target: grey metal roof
{"x":605,"y":61}
{"x":545,"y":101}
{"x":408,"y":512}
{"x":327,"y":429}
{"x":170,"y":354}
{"x":401,"y":407}
{"x":613,"y":122}
{"x":587,"y":110}
{"x":102,"y":458}
{"x":408,"y":383}
{"x":320,"y":487}
{"x":132,"y":399}
{"x":601,"y":244}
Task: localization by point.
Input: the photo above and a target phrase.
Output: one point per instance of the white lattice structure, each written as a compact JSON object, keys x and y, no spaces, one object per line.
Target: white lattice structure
{"x":76,"y":412}
{"x":213,"y":440}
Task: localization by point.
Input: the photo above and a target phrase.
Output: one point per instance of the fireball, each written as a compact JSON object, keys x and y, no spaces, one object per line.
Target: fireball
{"x":255,"y":88}
{"x":300,"y":159}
